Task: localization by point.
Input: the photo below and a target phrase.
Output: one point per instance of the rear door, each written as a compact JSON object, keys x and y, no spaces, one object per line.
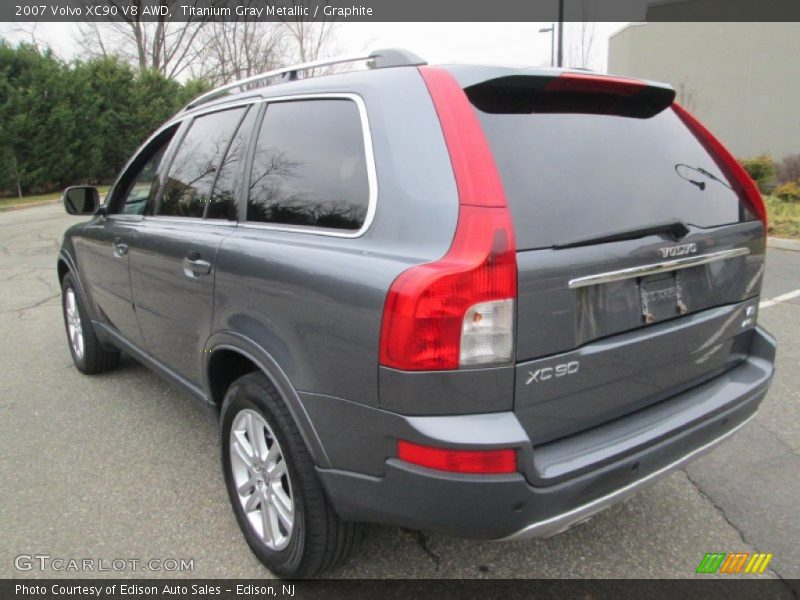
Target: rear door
{"x":638,"y":261}
{"x":174,"y":257}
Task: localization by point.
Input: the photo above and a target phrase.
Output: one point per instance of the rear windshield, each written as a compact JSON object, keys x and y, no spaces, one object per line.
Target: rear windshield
{"x":573,"y":176}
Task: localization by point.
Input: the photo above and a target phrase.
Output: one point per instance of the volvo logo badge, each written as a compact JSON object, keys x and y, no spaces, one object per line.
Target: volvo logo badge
{"x":682,"y":250}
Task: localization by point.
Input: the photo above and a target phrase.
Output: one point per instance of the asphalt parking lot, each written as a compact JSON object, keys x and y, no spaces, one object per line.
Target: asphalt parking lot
{"x":122,"y":465}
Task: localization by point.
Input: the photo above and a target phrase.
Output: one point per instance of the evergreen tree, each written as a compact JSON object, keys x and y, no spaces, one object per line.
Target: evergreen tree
{"x":66,"y":123}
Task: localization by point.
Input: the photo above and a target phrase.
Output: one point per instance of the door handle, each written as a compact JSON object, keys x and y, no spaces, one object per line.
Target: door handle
{"x":194,"y":268}
{"x":120,"y":249}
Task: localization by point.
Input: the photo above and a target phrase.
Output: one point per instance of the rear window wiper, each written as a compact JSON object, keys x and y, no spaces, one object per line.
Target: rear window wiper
{"x":675,"y":227}
{"x":681,"y":167}
{"x":712,"y":176}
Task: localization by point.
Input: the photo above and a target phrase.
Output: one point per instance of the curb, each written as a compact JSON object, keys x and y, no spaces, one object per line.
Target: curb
{"x":29,"y":205}
{"x":783,"y":244}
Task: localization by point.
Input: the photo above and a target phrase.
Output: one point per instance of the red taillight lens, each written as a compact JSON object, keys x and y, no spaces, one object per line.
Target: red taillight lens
{"x":459,"y":461}
{"x":458,"y":310}
{"x":585,"y":83}
{"x":426,"y":305}
{"x":475,"y":171}
{"x":741,"y":182}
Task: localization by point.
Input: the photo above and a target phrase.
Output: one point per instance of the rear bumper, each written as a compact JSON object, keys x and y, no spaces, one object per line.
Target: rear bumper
{"x":563,"y":521}
{"x":562,"y":483}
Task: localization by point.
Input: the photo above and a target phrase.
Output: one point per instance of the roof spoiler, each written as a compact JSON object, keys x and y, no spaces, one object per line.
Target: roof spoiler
{"x":571,"y":92}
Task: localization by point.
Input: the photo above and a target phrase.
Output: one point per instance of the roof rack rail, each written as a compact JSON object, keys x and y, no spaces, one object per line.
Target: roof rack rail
{"x":380,"y":59}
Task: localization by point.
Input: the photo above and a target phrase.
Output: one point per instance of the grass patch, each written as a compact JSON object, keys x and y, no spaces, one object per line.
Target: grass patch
{"x":41,"y":198}
{"x":784,"y":217}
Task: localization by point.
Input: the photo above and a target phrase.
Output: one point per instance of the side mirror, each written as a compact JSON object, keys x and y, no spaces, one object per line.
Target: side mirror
{"x":81,"y":199}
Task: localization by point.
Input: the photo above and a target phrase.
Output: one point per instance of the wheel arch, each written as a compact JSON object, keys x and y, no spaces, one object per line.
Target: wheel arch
{"x":66,"y":265}
{"x":230,"y":355}
{"x":62,"y":268}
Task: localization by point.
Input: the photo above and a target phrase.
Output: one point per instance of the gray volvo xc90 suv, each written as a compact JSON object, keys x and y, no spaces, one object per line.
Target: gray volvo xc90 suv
{"x":477,"y":300}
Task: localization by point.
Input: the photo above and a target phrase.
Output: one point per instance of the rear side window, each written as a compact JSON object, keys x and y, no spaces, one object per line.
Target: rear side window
{"x":310,"y":166}
{"x":198,"y":159}
{"x":572,"y":176}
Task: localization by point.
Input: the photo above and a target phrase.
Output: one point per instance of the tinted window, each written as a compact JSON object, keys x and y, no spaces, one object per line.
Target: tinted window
{"x":223,"y":204}
{"x":571,"y":176}
{"x":309,"y":166}
{"x":141,"y":182}
{"x":194,"y":168}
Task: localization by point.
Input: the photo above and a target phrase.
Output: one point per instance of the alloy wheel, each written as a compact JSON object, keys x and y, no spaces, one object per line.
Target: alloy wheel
{"x":74,"y":326}
{"x":262,"y":480}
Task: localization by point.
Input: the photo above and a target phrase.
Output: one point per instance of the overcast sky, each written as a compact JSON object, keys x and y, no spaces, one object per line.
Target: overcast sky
{"x":499,"y":43}
{"x":503,"y":43}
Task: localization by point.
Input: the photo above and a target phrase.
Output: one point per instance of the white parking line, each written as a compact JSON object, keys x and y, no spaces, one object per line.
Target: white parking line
{"x":779,"y":299}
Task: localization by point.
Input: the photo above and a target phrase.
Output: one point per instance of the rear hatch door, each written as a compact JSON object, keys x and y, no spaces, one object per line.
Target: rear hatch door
{"x":636,"y":254}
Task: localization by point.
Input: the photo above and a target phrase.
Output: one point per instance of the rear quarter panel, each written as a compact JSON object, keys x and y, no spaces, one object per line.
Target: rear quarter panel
{"x":314,"y":303}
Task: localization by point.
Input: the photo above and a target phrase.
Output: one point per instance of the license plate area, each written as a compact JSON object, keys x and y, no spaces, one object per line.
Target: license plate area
{"x":661,"y":297}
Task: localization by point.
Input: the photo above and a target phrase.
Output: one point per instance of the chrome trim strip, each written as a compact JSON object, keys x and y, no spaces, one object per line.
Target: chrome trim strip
{"x":372,"y":177}
{"x":189,"y":220}
{"x":220,"y":107}
{"x":652,"y":269}
{"x":559,"y":523}
{"x":123,"y":217}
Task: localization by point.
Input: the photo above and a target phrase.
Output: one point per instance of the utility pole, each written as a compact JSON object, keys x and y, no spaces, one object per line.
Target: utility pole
{"x":560,"y":33}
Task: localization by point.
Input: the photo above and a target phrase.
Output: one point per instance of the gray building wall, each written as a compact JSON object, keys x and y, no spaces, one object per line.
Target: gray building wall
{"x":741,"y":79}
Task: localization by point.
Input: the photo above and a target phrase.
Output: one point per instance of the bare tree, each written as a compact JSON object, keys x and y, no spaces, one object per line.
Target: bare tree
{"x":237,"y":49}
{"x":169,"y":48}
{"x":586,"y":34}
{"x":33,"y":34}
{"x":581,"y":34}
{"x":310,"y":40}
{"x":686,"y":96}
{"x":581,"y":44}
{"x":215,"y":50}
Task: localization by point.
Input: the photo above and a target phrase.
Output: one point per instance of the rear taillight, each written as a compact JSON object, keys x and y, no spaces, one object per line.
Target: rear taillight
{"x":459,"y":310}
{"x":459,"y":461}
{"x":739,"y":179}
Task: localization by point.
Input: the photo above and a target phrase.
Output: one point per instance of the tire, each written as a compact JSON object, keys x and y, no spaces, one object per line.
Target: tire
{"x":87,"y":352}
{"x":316,"y":539}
